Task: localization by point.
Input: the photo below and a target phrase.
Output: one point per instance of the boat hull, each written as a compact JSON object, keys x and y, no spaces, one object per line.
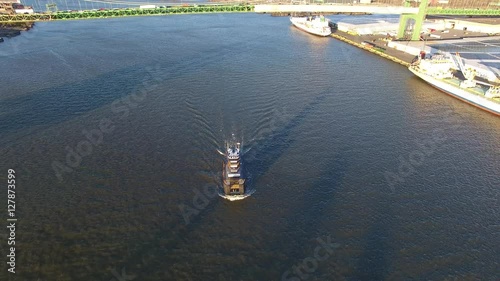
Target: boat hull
{"x":459,"y":93}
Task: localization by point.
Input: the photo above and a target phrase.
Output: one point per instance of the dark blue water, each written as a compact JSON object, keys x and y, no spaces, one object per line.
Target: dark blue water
{"x":342,"y":148}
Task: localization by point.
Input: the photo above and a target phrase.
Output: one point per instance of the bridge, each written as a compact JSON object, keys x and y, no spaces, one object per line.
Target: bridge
{"x":125,"y":12}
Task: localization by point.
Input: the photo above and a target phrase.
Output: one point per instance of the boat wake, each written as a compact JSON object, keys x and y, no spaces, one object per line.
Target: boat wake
{"x":220,"y":152}
{"x":236,"y":197}
{"x":242,"y":153}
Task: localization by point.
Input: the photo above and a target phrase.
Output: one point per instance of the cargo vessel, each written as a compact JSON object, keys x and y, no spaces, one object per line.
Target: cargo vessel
{"x":317,"y":25}
{"x":232,"y":172}
{"x":447,"y":73}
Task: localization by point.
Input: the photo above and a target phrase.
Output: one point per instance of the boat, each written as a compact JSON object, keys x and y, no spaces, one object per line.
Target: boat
{"x":447,"y":73}
{"x":233,"y":181}
{"x":317,"y":25}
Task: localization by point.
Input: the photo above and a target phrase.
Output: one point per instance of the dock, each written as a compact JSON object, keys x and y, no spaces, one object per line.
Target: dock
{"x":403,"y":52}
{"x":390,"y":54}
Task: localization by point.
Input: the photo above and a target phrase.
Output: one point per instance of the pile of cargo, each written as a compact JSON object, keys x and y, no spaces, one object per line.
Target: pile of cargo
{"x":6,"y":9}
{"x":10,"y":8}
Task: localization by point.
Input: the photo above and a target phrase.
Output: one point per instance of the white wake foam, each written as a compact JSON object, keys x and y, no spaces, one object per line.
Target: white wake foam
{"x":221,"y":153}
{"x":236,"y":197}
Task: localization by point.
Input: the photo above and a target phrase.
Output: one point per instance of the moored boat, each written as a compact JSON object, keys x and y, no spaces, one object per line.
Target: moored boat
{"x":317,"y":25}
{"x":444,"y":73}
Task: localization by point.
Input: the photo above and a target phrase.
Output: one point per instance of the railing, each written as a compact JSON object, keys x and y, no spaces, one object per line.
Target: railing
{"x":464,"y":12}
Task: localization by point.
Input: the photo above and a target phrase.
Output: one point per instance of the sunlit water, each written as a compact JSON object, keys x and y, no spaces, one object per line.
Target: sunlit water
{"x":340,"y":145}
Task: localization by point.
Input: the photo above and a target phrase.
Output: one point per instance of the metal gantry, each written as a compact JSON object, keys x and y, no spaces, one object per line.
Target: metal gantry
{"x":418,"y":20}
{"x":415,"y":21}
{"x":51,"y":7}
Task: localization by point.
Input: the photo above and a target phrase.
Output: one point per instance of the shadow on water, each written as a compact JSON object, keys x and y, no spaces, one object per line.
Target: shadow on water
{"x":373,"y":264}
{"x":57,"y":104}
{"x":307,"y":221}
{"x":265,"y":154}
{"x":304,"y":224}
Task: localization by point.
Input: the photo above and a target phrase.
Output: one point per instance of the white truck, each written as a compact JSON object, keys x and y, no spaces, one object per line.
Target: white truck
{"x":147,"y":6}
{"x":23,"y":11}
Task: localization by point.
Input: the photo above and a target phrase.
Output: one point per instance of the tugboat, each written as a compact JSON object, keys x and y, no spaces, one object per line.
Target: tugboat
{"x":233,"y":181}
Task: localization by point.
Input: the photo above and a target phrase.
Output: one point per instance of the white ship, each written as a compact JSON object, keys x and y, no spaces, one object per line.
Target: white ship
{"x":441,"y":72}
{"x":317,"y":25}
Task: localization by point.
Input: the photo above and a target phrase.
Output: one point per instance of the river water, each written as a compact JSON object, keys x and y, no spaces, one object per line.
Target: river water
{"x":342,"y":148}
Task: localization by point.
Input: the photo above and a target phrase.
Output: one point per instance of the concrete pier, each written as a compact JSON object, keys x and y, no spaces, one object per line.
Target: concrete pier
{"x":403,"y":52}
{"x":377,"y":47}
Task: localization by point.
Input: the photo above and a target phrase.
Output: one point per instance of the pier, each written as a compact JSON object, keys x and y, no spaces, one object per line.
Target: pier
{"x":393,"y":55}
{"x":470,"y":40}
